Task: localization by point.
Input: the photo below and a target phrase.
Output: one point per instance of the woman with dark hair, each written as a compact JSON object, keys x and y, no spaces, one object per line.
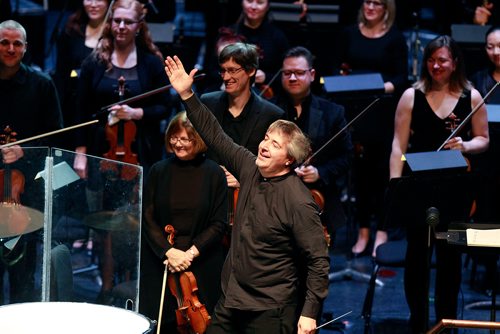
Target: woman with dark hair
{"x":485,"y":79}
{"x":125,"y":50}
{"x":78,"y":39}
{"x":189,"y":192}
{"x":425,"y":111}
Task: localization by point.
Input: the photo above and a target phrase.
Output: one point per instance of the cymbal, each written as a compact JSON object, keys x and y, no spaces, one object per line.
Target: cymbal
{"x":112,"y":221}
{"x":17,"y":219}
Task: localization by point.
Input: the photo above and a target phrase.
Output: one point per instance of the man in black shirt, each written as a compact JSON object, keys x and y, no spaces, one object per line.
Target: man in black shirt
{"x":277,"y":222}
{"x":29,"y":107}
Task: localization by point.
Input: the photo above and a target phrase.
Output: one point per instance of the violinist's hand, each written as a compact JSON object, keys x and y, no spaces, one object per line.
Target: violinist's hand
{"x":80,"y":163}
{"x":306,"y":325}
{"x":126,"y":113}
{"x":260,"y":77}
{"x":482,"y":14}
{"x":12,"y":154}
{"x":177,"y":260}
{"x":455,"y":143}
{"x":308,"y":174}
{"x":231,"y":180}
{"x":179,"y":79}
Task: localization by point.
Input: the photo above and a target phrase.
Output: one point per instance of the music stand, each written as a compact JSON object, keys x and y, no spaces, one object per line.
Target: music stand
{"x":436,"y":180}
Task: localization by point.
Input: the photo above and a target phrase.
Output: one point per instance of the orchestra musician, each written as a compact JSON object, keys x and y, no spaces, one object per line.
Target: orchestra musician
{"x":320,"y":119}
{"x":373,"y":45}
{"x":79,"y":38}
{"x":242,"y":114}
{"x":277,"y":222}
{"x":255,"y":26}
{"x":126,"y":49}
{"x":424,"y":111}
{"x":30,"y":107}
{"x":127,"y":52}
{"x":189,"y":192}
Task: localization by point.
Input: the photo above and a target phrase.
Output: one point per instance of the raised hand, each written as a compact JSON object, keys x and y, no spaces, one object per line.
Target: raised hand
{"x":179,"y":79}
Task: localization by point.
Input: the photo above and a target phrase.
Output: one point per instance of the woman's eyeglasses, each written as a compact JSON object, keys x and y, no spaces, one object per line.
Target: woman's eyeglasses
{"x":182,"y":140}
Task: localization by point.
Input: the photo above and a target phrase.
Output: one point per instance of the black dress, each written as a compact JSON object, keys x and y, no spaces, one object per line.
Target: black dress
{"x":428,"y":133}
{"x":192,"y":197}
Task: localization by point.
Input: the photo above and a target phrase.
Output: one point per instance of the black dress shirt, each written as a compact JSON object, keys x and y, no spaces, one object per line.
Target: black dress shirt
{"x":276,"y":220}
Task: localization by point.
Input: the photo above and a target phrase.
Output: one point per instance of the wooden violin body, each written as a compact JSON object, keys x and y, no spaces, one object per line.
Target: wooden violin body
{"x":320,"y":200}
{"x":120,"y":137}
{"x":191,"y":315}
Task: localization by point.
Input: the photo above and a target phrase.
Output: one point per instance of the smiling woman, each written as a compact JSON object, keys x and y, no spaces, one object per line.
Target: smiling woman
{"x":187,"y":191}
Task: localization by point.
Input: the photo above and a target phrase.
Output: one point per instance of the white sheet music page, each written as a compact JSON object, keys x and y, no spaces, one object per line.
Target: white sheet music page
{"x":483,"y":238}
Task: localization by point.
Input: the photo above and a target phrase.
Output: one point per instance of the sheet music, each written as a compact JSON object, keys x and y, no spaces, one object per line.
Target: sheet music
{"x":483,"y":238}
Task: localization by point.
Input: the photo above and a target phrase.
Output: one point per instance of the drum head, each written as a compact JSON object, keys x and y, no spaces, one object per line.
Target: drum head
{"x":75,"y":318}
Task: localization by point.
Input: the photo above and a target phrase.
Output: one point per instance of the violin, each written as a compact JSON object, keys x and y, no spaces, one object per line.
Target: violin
{"x":452,"y":124}
{"x":120,"y":136}
{"x":12,"y":179}
{"x":191,"y":315}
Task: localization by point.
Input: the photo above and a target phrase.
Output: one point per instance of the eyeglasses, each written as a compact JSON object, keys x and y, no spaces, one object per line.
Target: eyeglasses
{"x":374,"y":3}
{"x":182,"y":140}
{"x":126,"y":22}
{"x":230,"y":71}
{"x":297,"y":73}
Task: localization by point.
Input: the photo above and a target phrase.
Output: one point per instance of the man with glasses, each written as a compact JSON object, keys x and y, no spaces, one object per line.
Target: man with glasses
{"x":243,"y":115}
{"x":320,"y":119}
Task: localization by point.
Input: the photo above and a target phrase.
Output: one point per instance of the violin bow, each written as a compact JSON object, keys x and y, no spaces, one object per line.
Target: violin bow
{"x":330,"y":321}
{"x":142,"y":96}
{"x":308,"y":160}
{"x":18,"y":142}
{"x":270,"y":83}
{"x":469,"y":116}
{"x":162,"y":298}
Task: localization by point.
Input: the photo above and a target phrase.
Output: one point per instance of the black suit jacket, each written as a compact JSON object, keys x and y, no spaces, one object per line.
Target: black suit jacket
{"x":326,"y":119}
{"x":261,"y":115}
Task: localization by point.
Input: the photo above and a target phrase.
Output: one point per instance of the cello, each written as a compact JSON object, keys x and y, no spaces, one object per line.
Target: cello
{"x":120,"y":134}
{"x":191,"y":315}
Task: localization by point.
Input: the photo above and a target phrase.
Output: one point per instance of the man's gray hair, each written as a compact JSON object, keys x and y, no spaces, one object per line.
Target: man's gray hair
{"x":13,"y":25}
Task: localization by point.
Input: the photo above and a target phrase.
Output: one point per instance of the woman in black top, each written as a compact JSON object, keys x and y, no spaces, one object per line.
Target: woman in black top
{"x":373,"y":45}
{"x":189,"y":192}
{"x":79,"y":38}
{"x":425,"y":112}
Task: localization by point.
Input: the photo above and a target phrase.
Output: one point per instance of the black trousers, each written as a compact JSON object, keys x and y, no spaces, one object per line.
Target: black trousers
{"x":274,"y":321}
{"x":448,"y":278}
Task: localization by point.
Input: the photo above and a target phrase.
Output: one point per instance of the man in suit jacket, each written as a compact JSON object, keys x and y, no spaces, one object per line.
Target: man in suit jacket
{"x":243,"y":115}
{"x":320,"y":119}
